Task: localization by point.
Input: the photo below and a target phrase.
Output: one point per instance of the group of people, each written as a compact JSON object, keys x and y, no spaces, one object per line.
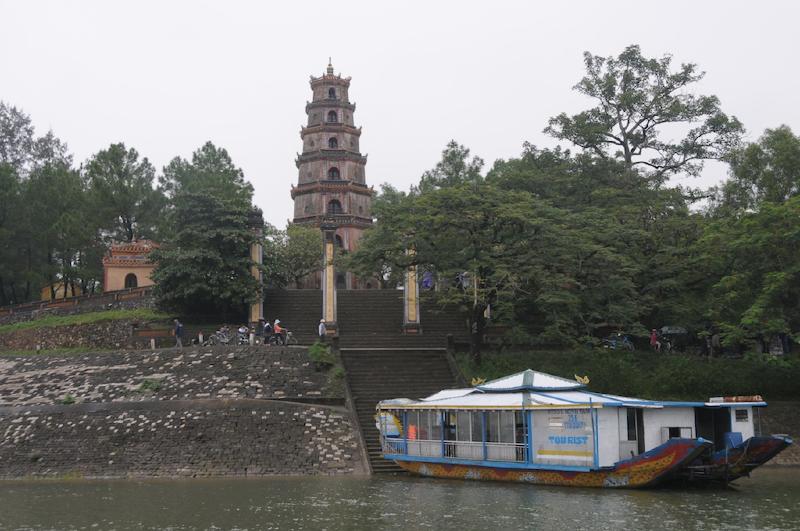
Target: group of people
{"x":263,"y":331}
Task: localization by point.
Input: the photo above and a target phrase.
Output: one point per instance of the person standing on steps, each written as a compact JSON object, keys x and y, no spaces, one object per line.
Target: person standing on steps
{"x":322,"y":330}
{"x":178,"y":334}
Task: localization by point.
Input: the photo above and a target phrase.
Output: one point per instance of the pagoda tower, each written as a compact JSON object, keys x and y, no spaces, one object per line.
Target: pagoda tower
{"x":331,"y":189}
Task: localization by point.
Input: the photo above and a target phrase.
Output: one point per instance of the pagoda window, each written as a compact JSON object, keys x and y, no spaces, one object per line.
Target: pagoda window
{"x":333,"y":143}
{"x":332,"y":117}
{"x":333,"y":174}
{"x":335,"y":207}
{"x":331,"y":93}
{"x":131,"y":281}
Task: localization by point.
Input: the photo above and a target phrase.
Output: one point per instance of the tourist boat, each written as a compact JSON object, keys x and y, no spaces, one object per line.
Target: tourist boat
{"x":537,"y":428}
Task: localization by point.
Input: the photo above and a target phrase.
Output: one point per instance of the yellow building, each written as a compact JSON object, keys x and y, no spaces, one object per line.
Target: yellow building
{"x":61,"y":291}
{"x":127,"y":265}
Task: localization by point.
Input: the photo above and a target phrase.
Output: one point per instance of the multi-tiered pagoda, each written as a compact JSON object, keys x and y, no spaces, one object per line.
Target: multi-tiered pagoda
{"x":331,"y":189}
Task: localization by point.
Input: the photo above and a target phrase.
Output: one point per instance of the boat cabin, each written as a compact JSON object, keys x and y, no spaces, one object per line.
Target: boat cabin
{"x":536,"y":420}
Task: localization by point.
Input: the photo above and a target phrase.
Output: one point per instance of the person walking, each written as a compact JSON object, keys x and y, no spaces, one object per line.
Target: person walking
{"x":654,"y":342}
{"x":178,"y":334}
{"x":323,"y":330}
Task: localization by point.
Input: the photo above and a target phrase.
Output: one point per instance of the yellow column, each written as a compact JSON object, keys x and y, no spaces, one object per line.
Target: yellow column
{"x":257,"y":257}
{"x":411,"y":320}
{"x":329,"y":280}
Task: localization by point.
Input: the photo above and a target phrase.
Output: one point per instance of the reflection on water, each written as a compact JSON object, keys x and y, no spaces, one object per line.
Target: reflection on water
{"x":770,"y":500}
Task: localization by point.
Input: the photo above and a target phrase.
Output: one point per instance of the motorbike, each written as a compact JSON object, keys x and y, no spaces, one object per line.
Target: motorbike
{"x":618,"y":342}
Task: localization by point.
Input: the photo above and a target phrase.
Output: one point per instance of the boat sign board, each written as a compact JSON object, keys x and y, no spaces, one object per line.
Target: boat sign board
{"x":563,"y":436}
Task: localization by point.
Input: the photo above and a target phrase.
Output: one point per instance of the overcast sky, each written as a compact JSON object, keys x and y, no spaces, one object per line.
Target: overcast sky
{"x":165,"y":77}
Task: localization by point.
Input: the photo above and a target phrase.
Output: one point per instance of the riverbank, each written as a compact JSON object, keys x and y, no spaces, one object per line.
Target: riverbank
{"x":197,"y":412}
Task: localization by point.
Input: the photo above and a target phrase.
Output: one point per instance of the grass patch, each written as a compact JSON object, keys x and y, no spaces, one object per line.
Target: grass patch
{"x":651,"y":375}
{"x":67,"y":400}
{"x":149,"y":385}
{"x":138,"y":314}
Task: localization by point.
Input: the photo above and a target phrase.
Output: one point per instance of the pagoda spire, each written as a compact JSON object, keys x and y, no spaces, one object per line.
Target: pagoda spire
{"x":330,"y":66}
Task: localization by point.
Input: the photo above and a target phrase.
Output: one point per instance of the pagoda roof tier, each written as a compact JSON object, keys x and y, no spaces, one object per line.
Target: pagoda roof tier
{"x":332,"y":186}
{"x":330,"y":154}
{"x":330,"y":103}
{"x":338,"y":220}
{"x":330,"y":127}
{"x":330,"y":79}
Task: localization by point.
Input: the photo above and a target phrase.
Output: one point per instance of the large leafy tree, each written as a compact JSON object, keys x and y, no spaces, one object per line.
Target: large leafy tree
{"x":204,"y":263}
{"x":637,"y":98}
{"x":211,"y":170}
{"x":453,"y":169}
{"x":122,"y":192}
{"x":291,"y":255}
{"x":204,"y":266}
{"x":753,"y":265}
{"x":62,"y":231}
{"x":764,"y":171}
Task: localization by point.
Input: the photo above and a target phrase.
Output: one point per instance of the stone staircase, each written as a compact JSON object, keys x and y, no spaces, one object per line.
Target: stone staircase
{"x":374,"y":375}
{"x":298,"y":309}
{"x":380,"y":361}
{"x":374,"y":319}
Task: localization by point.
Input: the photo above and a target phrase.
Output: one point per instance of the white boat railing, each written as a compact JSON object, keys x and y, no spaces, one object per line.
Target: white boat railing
{"x":455,"y":449}
{"x":505,"y":452}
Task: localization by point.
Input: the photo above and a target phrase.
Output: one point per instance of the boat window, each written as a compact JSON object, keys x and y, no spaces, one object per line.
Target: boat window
{"x":631,"y":424}
{"x":477,"y":426}
{"x":463,"y":426}
{"x":493,"y":426}
{"x":507,"y":425}
{"x":436,"y":425}
{"x":741,"y":415}
{"x":424,"y":427}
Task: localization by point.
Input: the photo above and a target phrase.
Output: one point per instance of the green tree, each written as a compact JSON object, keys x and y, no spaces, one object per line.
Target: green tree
{"x":380,"y":249}
{"x":752,"y":265}
{"x":204,"y":266}
{"x":123,"y":196}
{"x":637,"y":98}
{"x":211,"y":171}
{"x":455,"y":168}
{"x":764,"y":171}
{"x":292,"y":255}
{"x":60,"y":227}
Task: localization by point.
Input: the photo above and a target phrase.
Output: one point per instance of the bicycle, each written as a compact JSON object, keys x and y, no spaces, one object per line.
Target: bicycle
{"x":281,"y":340}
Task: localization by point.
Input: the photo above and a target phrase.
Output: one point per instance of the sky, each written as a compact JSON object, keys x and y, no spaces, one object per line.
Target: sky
{"x":164,"y":77}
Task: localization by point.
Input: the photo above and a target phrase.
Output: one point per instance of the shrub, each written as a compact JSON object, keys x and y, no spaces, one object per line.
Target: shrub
{"x":321,"y":354}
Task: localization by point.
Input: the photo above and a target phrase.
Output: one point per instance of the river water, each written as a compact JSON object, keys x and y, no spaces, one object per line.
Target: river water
{"x":769,"y":500}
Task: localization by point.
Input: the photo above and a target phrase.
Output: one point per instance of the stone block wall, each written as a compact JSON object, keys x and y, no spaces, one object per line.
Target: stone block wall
{"x":122,"y":300}
{"x":221,"y":411}
{"x":103,"y":334}
{"x":191,"y":373}
{"x":783,"y":418}
{"x":180,"y":438}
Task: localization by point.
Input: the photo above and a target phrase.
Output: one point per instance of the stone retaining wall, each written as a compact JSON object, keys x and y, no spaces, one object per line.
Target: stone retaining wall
{"x":103,"y":334}
{"x":782,"y":417}
{"x":120,"y":300}
{"x":194,"y":372}
{"x":178,"y":438}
